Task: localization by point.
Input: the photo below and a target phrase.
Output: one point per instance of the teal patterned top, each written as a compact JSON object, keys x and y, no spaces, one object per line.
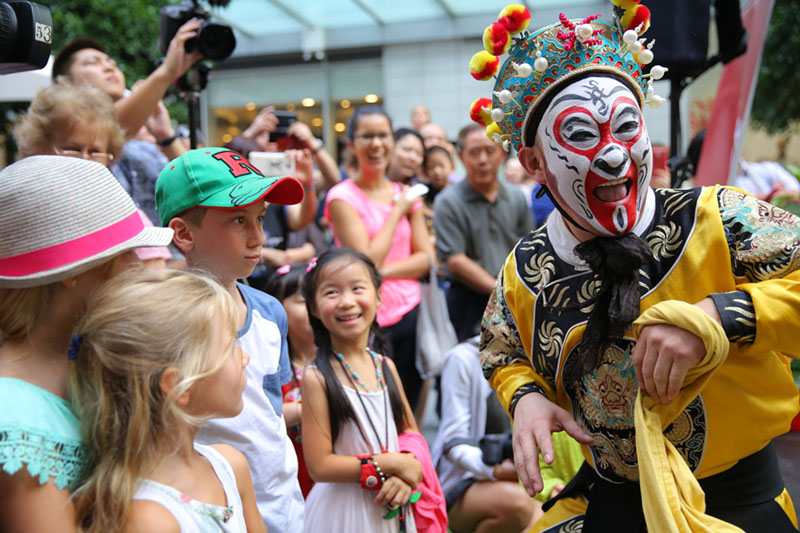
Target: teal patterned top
{"x":39,"y":430}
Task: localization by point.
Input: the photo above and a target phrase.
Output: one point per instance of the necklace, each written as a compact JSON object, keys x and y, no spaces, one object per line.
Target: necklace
{"x":355,"y":378}
{"x":376,"y":360}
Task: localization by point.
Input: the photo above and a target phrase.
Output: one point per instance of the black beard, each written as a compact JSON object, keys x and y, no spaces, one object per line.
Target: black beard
{"x":616,"y":261}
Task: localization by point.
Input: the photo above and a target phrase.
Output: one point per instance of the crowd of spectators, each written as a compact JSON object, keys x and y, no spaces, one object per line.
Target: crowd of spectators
{"x":465,"y":224}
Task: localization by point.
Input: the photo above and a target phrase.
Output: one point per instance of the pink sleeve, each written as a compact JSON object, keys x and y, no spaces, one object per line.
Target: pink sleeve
{"x":340,"y":191}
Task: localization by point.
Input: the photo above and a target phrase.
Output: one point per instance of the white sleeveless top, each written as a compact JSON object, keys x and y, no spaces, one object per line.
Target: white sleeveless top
{"x":345,"y":506}
{"x":195,"y":516}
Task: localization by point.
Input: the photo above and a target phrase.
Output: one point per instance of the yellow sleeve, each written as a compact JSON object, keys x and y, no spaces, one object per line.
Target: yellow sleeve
{"x":776,"y":305}
{"x":504,"y":356}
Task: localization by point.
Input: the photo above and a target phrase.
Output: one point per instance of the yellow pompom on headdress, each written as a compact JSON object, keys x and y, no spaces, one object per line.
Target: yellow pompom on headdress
{"x":542,"y":61}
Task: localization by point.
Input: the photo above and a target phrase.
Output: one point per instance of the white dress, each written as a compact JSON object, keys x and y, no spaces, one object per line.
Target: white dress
{"x":196,"y":516}
{"x":346,"y":506}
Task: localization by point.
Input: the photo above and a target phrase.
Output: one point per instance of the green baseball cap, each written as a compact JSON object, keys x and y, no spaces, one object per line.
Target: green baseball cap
{"x":218,"y":178}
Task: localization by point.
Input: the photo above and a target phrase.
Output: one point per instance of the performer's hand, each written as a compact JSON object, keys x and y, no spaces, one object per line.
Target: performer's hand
{"x":664,"y":354}
{"x":535,"y":419}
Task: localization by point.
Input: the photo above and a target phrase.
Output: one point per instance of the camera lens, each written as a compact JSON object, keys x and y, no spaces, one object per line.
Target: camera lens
{"x":26,"y":31}
{"x":8,"y":28}
{"x":216,"y":41}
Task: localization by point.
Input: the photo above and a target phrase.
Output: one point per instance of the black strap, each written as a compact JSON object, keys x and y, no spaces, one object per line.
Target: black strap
{"x":579,"y":485}
{"x":754,"y":479}
{"x":544,"y":190}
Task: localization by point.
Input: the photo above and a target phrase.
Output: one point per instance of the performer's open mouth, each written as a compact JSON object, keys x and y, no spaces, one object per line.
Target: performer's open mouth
{"x":614,"y":190}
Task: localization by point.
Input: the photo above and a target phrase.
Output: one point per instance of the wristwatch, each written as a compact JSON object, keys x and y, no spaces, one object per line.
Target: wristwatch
{"x":163,"y":143}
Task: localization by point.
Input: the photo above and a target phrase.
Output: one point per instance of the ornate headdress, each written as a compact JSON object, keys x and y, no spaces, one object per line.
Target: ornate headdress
{"x":541,"y":62}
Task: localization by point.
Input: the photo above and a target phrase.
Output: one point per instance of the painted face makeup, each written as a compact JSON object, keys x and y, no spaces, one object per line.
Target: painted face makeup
{"x":598,"y":154}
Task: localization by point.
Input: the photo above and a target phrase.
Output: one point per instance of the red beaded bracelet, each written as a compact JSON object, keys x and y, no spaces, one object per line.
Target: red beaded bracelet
{"x":370,"y":478}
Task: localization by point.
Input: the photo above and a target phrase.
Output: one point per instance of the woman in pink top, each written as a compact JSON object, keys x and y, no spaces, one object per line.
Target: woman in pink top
{"x":370,"y":214}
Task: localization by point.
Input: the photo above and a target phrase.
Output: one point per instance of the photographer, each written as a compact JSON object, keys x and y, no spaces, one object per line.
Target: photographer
{"x":261,"y":132}
{"x":479,"y":497}
{"x":290,"y":236}
{"x":85,"y":61}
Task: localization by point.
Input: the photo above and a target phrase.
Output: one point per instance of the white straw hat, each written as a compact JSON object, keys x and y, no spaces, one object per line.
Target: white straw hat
{"x":60,"y":216}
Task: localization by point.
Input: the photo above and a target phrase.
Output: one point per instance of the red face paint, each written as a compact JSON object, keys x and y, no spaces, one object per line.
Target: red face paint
{"x":598,"y":153}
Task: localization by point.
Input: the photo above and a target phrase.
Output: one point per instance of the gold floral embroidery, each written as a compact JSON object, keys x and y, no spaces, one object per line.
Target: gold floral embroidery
{"x":539,"y":269}
{"x":644,"y":280}
{"x":537,"y":238}
{"x":558,"y":297}
{"x":675,"y":202}
{"x":551,"y":338}
{"x":588,"y":291}
{"x":665,"y":240}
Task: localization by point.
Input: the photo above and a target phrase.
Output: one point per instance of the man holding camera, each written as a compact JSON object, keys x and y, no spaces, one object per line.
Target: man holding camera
{"x":273,"y":130}
{"x":84,"y":61}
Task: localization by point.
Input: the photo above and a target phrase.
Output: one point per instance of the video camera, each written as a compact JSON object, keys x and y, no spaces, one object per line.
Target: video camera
{"x":26,"y":36}
{"x":496,"y":448}
{"x":214,"y":40}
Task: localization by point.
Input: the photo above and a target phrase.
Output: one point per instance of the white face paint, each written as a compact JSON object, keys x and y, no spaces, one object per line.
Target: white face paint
{"x":598,"y":154}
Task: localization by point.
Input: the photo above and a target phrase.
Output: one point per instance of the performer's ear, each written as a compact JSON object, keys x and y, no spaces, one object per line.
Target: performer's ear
{"x":533,"y":161}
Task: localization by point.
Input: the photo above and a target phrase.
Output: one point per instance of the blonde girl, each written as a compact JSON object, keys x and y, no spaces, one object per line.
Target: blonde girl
{"x":66,"y":226}
{"x":148,"y":372}
{"x":354,"y":406}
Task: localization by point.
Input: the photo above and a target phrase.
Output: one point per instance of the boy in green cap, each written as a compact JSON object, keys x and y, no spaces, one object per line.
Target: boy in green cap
{"x":214,"y":200}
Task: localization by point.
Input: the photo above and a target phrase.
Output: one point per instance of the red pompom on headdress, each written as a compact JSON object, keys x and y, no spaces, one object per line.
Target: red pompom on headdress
{"x":496,"y":39}
{"x":481,"y":111}
{"x":625,"y":4}
{"x":515,"y":17}
{"x":483,"y":65}
{"x":635,"y":17}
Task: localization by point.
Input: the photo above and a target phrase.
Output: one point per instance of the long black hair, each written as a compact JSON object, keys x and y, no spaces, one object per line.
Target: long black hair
{"x":282,"y":283}
{"x":339,"y":408}
{"x":399,"y":133}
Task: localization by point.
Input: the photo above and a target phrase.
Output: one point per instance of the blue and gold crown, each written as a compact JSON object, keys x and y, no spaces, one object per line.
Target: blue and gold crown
{"x":541,"y":62}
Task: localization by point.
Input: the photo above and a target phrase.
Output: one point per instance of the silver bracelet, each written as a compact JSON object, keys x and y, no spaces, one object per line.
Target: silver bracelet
{"x":379,"y":471}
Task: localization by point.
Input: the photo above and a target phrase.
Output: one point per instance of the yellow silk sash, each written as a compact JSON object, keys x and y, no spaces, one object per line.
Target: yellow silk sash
{"x":672,"y":499}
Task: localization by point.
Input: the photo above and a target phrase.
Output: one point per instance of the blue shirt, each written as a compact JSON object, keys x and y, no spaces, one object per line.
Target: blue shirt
{"x":259,"y":431}
{"x":540,"y":207}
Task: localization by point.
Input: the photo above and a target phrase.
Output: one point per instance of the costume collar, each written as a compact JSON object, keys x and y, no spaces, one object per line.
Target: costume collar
{"x":564,"y":242}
